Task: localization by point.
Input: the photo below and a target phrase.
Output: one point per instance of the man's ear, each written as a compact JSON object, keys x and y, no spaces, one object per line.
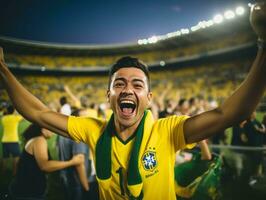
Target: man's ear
{"x":149,"y":97}
{"x":108,"y":95}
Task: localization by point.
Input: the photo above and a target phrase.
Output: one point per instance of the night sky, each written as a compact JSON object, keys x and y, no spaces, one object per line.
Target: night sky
{"x":103,"y":22}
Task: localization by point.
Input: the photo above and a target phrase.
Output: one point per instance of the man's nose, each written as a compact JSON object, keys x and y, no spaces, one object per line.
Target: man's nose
{"x":128,"y":89}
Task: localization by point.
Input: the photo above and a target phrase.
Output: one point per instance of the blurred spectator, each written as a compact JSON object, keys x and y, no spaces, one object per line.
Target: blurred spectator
{"x":169,"y":106}
{"x":193,"y":109}
{"x":239,"y":137}
{"x":10,"y":139}
{"x":75,"y":100}
{"x":237,"y":158}
{"x":30,"y":181}
{"x":255,"y":132}
{"x":77,"y":183}
{"x":65,"y":107}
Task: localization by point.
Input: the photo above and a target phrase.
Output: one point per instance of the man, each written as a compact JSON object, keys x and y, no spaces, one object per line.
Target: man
{"x":74,"y":179}
{"x":255,"y":132}
{"x":77,"y":183}
{"x":65,"y":107}
{"x":133,"y":153}
{"x":10,"y":139}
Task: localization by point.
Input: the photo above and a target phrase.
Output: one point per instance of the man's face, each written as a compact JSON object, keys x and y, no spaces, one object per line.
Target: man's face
{"x":129,"y":95}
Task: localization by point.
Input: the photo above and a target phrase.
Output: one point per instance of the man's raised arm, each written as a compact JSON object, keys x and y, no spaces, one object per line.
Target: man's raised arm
{"x":28,"y":105}
{"x":244,"y":100}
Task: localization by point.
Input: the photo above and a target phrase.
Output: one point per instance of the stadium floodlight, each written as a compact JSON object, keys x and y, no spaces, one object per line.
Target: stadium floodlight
{"x":202,"y":24}
{"x":153,"y":39}
{"x":178,"y":33}
{"x":229,"y":14}
{"x":140,"y":42}
{"x":209,"y":23}
{"x":184,"y":31}
{"x":162,"y":37}
{"x":218,"y":19}
{"x":145,"y":41}
{"x":173,"y":34}
{"x":195,"y":28}
{"x":240,"y":10}
{"x":162,"y":63}
{"x":169,"y":35}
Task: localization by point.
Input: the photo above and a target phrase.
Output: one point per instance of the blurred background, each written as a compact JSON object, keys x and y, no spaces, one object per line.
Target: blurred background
{"x":198,"y":53}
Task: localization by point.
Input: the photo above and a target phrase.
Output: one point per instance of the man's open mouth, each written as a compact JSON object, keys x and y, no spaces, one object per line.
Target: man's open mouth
{"x":127,"y":106}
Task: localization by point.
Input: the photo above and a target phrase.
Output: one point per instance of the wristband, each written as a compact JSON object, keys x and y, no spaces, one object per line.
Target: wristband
{"x":261,"y":44}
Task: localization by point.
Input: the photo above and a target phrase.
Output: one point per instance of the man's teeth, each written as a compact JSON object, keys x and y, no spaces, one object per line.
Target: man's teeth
{"x":127,"y":101}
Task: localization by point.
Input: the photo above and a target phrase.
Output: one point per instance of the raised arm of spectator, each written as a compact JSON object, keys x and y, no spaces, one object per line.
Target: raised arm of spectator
{"x":244,"y":100}
{"x":30,"y":107}
{"x":41,"y":155}
{"x":205,"y":151}
{"x":75,"y":100}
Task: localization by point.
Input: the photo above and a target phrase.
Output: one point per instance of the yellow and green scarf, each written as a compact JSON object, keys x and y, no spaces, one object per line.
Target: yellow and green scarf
{"x":103,"y":159}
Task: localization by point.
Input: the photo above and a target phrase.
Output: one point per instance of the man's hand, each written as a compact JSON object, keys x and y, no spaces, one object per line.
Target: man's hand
{"x":258,"y":19}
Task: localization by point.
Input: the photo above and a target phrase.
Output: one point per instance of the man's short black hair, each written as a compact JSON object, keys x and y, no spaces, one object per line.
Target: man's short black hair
{"x":63,"y":100}
{"x":129,"y":62}
{"x":182,"y":101}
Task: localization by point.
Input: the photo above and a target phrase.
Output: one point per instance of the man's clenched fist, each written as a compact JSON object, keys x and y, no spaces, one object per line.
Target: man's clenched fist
{"x":258,"y":19}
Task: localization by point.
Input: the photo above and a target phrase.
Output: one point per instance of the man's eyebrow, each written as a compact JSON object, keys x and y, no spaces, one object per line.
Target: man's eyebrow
{"x":120,"y":79}
{"x":138,"y":80}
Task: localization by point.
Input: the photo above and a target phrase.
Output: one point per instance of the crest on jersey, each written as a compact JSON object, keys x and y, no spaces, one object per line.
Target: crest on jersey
{"x":149,"y":161}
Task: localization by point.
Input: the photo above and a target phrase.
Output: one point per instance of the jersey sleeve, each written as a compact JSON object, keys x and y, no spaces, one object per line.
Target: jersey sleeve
{"x":174,"y":127}
{"x":85,"y":129}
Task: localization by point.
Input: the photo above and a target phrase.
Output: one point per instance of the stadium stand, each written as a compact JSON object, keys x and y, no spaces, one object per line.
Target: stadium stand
{"x":210,"y":64}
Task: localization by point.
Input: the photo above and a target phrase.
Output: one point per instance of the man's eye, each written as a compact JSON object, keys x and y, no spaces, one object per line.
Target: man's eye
{"x":119,"y":84}
{"x":138,"y":86}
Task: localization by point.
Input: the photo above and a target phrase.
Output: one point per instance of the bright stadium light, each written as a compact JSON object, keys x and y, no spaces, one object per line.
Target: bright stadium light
{"x":145,"y":41}
{"x":195,"y":28}
{"x":202,"y":24}
{"x":184,"y":31}
{"x":169,"y":35}
{"x":209,"y":23}
{"x":153,"y":39}
{"x":162,"y":63}
{"x":229,"y":14}
{"x":218,"y":19}
{"x":240,"y":10}
{"x":177,"y":33}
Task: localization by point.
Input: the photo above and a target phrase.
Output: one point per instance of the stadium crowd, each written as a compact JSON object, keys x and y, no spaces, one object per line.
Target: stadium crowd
{"x":187,"y":50}
{"x":188,"y":91}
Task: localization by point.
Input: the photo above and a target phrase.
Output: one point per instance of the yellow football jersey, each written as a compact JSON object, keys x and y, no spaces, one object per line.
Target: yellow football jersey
{"x":10,"y":125}
{"x":161,"y":139}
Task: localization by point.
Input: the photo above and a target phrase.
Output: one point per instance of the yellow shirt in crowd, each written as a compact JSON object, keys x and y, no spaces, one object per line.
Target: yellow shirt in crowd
{"x":10,"y":125}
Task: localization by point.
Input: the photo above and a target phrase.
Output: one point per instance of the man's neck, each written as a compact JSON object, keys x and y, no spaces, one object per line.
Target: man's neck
{"x":126,"y":132}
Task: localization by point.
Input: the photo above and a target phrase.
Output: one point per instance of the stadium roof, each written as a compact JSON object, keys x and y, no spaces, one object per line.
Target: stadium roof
{"x":17,"y":46}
